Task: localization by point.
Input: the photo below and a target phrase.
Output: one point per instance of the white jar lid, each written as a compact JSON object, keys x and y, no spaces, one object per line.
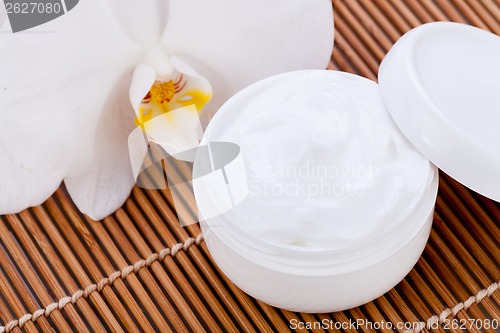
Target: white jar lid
{"x":441,"y":84}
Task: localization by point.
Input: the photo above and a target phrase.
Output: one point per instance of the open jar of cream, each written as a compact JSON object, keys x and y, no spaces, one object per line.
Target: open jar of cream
{"x":339,"y":204}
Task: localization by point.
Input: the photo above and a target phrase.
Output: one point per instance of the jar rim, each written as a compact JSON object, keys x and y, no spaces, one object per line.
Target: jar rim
{"x":273,"y":254}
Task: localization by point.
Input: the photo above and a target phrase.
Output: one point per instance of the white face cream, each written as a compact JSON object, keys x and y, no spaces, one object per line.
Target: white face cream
{"x":339,"y":204}
{"x":327,"y":168}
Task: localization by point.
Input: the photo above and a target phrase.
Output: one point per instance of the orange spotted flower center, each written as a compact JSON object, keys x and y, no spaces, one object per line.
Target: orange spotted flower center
{"x":163,"y":92}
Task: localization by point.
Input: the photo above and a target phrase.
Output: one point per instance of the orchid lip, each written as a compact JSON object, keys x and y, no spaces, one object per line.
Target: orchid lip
{"x":168,"y":93}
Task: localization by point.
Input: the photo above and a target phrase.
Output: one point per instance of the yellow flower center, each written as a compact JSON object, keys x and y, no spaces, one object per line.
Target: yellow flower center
{"x":165,"y":96}
{"x":162,"y":92}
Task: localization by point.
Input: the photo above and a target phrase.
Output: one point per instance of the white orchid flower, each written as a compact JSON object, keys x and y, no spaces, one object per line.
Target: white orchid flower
{"x":73,"y":89}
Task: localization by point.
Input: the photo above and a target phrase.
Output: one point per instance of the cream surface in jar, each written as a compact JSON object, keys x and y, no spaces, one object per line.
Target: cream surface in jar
{"x":326,"y":167}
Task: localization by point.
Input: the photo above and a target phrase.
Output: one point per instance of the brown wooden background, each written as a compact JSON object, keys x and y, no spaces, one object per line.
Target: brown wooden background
{"x":52,"y":251}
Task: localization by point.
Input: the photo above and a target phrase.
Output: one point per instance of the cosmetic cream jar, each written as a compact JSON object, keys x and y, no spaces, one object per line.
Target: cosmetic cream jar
{"x":351,"y":235}
{"x":354,"y":234}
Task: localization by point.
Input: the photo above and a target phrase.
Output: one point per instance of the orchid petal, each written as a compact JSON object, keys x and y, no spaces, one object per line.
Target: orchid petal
{"x":142,"y":21}
{"x":54,"y":82}
{"x":139,"y":147}
{"x":235,"y":43}
{"x":142,"y":80}
{"x":107,"y":183}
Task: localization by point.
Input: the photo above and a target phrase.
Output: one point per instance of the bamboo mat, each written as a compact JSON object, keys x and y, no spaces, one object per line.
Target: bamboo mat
{"x":139,"y":271}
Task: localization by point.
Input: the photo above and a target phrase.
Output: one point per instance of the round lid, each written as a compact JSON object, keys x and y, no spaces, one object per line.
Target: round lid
{"x":441,"y":84}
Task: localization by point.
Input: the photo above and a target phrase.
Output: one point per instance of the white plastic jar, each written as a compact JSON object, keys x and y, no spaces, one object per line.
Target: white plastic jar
{"x":360,"y":244}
